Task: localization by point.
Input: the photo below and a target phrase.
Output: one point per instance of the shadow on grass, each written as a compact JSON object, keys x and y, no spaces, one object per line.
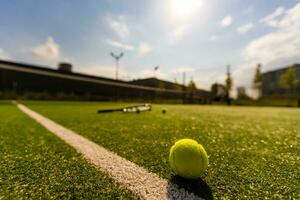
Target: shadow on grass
{"x":5,"y":102}
{"x":197,"y":186}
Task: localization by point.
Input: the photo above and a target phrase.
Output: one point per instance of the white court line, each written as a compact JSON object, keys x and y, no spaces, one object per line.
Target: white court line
{"x":144,"y":184}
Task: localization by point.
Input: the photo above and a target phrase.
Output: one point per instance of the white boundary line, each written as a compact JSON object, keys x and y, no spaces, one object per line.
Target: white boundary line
{"x":144,"y":184}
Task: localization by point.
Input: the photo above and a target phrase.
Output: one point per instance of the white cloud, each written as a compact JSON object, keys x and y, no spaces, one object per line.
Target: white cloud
{"x":104,"y":71}
{"x":245,"y":28}
{"x":278,"y":48}
{"x":144,"y":48}
{"x":66,"y":59}
{"x":177,"y":34}
{"x":204,"y":80}
{"x":213,"y":37}
{"x":118,"y":24}
{"x":46,"y":51}
{"x":292,"y":18}
{"x":4,"y":55}
{"x":120,"y":45}
{"x":281,"y":45}
{"x":180,"y":70}
{"x":270,"y":20}
{"x":226,"y":21}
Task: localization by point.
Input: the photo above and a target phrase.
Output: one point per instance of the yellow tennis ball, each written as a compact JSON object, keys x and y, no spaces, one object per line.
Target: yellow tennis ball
{"x":188,"y":158}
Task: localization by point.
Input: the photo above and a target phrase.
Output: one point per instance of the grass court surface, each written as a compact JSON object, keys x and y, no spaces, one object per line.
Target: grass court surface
{"x":253,"y":152}
{"x":35,"y":164}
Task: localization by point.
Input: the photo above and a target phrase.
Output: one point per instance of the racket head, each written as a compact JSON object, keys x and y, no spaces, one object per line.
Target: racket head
{"x":138,"y":108}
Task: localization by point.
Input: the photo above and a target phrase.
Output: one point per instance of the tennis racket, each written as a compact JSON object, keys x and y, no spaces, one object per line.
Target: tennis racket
{"x":129,"y":109}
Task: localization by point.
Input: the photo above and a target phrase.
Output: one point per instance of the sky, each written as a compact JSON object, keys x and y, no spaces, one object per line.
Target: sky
{"x":198,"y":37}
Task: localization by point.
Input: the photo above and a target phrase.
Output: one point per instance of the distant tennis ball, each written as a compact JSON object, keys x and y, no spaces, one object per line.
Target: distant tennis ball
{"x":188,"y":158}
{"x":164,"y":111}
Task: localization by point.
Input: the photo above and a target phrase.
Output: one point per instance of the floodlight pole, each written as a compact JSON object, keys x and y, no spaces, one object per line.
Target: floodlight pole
{"x":183,"y":88}
{"x":228,"y":69}
{"x":117,"y":58}
{"x":117,"y":69}
{"x":183,"y":78}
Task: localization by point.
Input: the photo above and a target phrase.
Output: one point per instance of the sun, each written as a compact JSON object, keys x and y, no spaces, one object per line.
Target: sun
{"x":183,"y":9}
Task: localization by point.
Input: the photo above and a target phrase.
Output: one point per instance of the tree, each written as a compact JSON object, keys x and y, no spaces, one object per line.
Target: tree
{"x":191,"y":89}
{"x":257,"y":81}
{"x":241,"y":93}
{"x":228,"y":82}
{"x":192,"y":86}
{"x":214,"y":91}
{"x":177,"y":87}
{"x":228,"y":85}
{"x":218,"y":92}
{"x":289,"y":80}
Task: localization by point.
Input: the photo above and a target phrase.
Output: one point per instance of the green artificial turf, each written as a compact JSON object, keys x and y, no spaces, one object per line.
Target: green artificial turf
{"x":35,"y":164}
{"x":253,"y":152}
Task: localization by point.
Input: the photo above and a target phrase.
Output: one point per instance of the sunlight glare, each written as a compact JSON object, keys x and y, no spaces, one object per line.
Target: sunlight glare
{"x":182,"y":9}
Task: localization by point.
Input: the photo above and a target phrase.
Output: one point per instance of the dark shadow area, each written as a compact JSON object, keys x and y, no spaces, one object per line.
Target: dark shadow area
{"x":5,"y":102}
{"x":197,"y":186}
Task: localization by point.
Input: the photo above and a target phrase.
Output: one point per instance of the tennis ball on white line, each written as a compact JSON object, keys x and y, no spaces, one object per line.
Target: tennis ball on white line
{"x":188,"y":158}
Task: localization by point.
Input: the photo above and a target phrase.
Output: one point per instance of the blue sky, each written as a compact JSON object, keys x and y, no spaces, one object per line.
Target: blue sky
{"x":200,"y":37}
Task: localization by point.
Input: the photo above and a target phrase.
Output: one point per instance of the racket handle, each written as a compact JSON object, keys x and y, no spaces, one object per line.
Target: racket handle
{"x":109,"y":110}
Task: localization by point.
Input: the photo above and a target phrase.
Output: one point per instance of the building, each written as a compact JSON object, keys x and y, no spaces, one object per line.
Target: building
{"x":241,"y":93}
{"x":196,"y":96}
{"x":154,"y":82}
{"x":271,"y":83}
{"x":37,"y":82}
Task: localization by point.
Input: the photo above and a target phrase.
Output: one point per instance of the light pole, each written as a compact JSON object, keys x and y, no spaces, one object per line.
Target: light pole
{"x":117,"y":57}
{"x":183,"y":88}
{"x":183,"y":78}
